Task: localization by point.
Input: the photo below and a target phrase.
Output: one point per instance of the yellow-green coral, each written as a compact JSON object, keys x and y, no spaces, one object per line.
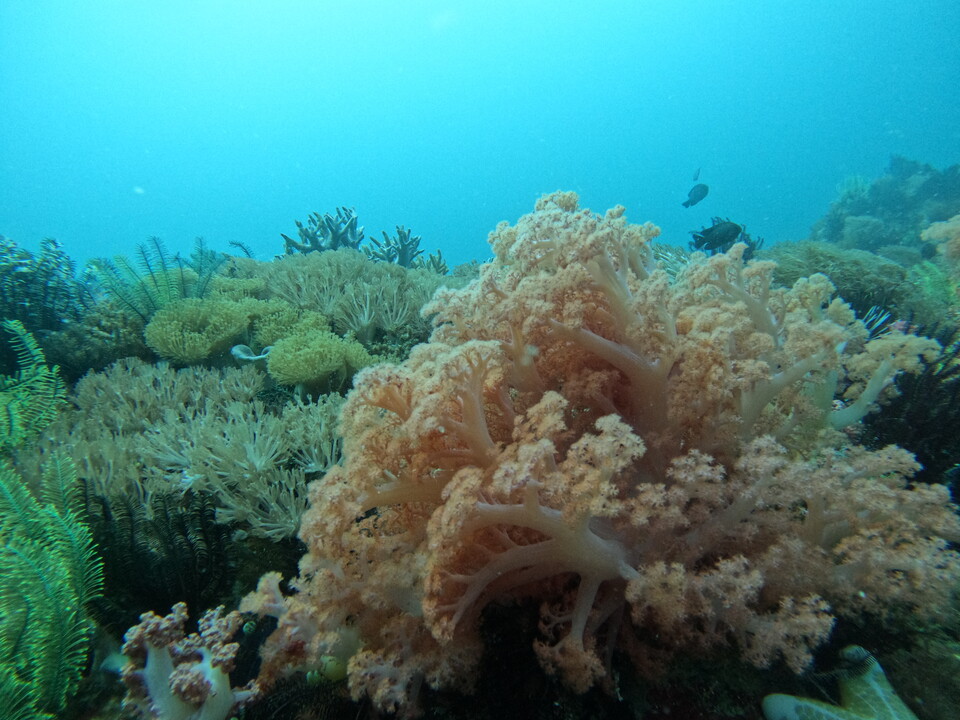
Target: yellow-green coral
{"x":316,"y":359}
{"x":285,"y":320}
{"x":193,"y":330}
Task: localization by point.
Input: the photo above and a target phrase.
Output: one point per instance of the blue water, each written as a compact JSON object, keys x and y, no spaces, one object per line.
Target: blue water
{"x":230,"y":119}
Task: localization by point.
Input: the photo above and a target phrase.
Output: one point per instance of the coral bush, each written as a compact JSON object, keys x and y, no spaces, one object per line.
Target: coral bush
{"x":862,"y":278}
{"x":945,"y":236}
{"x":657,"y":462}
{"x":192,"y":330}
{"x":315,"y":359}
{"x":141,"y":430}
{"x":377,"y":302}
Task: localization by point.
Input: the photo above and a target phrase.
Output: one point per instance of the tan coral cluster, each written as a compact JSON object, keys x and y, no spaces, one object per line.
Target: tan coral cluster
{"x":657,"y":461}
{"x":170,"y":674}
{"x":946,"y":237}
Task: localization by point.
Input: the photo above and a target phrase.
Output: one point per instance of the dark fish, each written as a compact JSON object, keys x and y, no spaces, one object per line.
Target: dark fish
{"x":697,"y":193}
{"x":722,"y":234}
{"x":696,"y":175}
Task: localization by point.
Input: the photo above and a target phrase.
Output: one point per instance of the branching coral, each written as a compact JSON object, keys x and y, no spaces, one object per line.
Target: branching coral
{"x":326,"y":232}
{"x":403,"y":249}
{"x":658,"y":461}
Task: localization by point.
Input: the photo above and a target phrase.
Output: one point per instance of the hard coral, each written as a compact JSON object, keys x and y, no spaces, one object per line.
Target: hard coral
{"x":655,"y":460}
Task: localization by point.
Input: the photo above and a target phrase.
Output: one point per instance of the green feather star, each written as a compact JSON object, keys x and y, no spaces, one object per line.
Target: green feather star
{"x":865,"y":694}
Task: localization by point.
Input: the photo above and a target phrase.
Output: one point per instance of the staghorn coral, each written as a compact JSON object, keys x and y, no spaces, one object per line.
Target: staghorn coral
{"x":403,"y":249}
{"x":326,"y":232}
{"x":657,"y":462}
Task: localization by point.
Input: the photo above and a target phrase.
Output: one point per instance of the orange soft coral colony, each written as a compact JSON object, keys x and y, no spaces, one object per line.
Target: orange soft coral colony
{"x":646,"y":455}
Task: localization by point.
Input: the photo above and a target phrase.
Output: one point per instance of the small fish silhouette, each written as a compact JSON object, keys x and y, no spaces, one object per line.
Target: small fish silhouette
{"x":697,"y":193}
{"x":718,"y":237}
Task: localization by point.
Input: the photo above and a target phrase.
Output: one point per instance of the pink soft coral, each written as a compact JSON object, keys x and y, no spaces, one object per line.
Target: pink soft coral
{"x":647,"y":456}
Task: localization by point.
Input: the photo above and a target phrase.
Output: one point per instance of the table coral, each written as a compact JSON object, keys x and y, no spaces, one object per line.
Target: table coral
{"x":657,"y":461}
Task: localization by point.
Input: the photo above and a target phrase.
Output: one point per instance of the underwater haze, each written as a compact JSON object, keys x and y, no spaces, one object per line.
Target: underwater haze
{"x":231,"y":119}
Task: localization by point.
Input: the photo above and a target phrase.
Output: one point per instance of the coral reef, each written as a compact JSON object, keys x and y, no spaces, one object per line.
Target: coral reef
{"x":945,"y":237}
{"x":658,"y":462}
{"x":892,"y":210}
{"x":919,"y":291}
